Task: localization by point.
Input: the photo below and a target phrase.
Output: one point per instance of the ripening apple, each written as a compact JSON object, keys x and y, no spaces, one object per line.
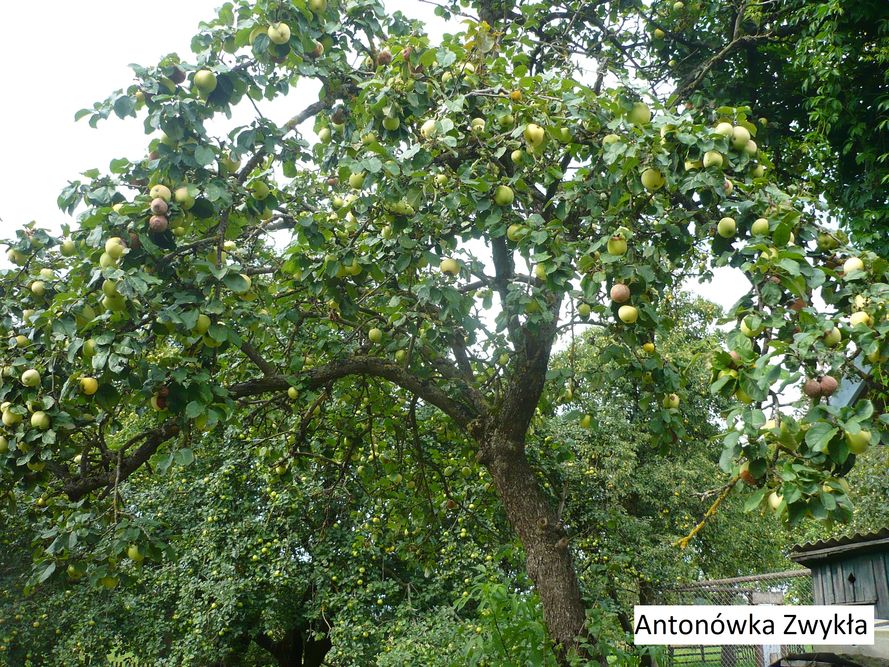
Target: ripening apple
{"x":858,"y":442}
{"x":775,"y":500}
{"x":833,"y":337}
{"x":652,"y":179}
{"x":648,"y":348}
{"x":726,"y":227}
{"x":503,"y":195}
{"x":584,"y":310}
{"x":740,"y":137}
{"x":30,"y":378}
{"x":161,"y":191}
{"x":317,"y":6}
{"x":108,"y":583}
{"x":427,"y":129}
{"x":586,"y":421}
{"x":229,"y":163}
{"x":749,"y":331}
{"x":617,"y":245}
{"x":292,"y":393}
{"x":759,"y":171}
{"x":38,"y":288}
{"x":89,"y":348}
{"x":713,"y":159}
{"x":89,"y":385}
{"x":184,"y":198}
{"x":640,"y":114}
{"x":628,"y":314}
{"x":356,"y":180}
{"x":441,"y":179}
{"x":449,"y":267}
{"x":517,"y":156}
{"x":540,"y":271}
{"x":620,"y":293}
{"x":725,"y":129}
{"x":114,"y":247}
{"x":659,"y":34}
{"x":134,"y":554}
{"x":861,"y":317}
{"x":477,"y":125}
{"x":534,"y":134}
{"x":375,"y":335}
{"x":205,"y":81}
{"x":279,"y":33}
{"x":40,"y":420}
{"x":159,"y":206}
{"x":21,"y":340}
{"x":760,"y":227}
{"x":750,"y":148}
{"x":852,"y":264}
{"x":670,"y":402}
{"x":68,"y":248}
{"x":610,"y":139}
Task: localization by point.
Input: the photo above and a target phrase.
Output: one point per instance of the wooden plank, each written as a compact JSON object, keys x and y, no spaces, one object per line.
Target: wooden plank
{"x":881,"y":581}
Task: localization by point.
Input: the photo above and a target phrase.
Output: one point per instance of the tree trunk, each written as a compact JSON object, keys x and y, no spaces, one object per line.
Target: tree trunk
{"x":548,"y":559}
{"x":297,"y":648}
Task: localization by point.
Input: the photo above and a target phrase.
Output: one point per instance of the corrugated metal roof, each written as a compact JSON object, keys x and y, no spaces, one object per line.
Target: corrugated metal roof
{"x":845,"y":544}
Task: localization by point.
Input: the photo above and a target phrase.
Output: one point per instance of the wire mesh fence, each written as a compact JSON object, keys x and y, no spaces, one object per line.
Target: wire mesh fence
{"x":789,"y":587}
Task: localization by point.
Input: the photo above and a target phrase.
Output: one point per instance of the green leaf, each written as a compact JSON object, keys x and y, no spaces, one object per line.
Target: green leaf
{"x":236,"y":283}
{"x":818,"y":437}
{"x":204,"y":156}
{"x":184,"y":457}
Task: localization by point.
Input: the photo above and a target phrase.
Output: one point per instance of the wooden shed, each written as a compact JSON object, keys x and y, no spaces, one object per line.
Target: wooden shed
{"x":849,"y":570}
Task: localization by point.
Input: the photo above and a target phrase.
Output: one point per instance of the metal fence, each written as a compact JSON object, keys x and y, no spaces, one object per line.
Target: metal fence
{"x":790,"y":587}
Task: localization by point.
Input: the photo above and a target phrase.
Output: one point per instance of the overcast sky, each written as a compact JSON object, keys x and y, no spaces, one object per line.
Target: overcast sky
{"x":79,"y":52}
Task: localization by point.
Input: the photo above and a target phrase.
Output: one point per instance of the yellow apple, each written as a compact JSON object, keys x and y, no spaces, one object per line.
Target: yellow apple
{"x":628,"y":314}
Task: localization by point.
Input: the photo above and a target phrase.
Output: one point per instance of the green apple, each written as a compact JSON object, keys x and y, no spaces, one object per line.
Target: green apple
{"x":449,"y":266}
{"x":30,"y":378}
{"x":540,"y":271}
{"x":205,"y":81}
{"x":11,"y":418}
{"x":640,"y":114}
{"x":229,"y":163}
{"x":292,"y":393}
{"x":760,"y":227}
{"x":16,"y":257}
{"x":584,"y":310}
{"x":586,"y":421}
{"x":89,"y":348}
{"x":391,"y":123}
{"x":534,"y":134}
{"x":477,"y":125}
{"x":517,"y":156}
{"x":40,"y":420}
{"x":648,"y":348}
{"x":750,"y":148}
{"x":68,"y":248}
{"x":628,"y":314}
{"x":400,"y":356}
{"x":115,"y":247}
{"x":47,"y":274}
{"x":375,"y":335}
{"x":858,"y":442}
{"x":260,"y":190}
{"x":758,"y":171}
{"x":317,"y":6}
{"x":109,"y":288}
{"x":670,"y":402}
{"x":659,"y":34}
{"x":775,"y":500}
{"x":161,"y":191}
{"x":516,"y":232}
{"x":713,"y":159}
{"x":134,"y":554}
{"x":441,"y":180}
{"x":833,"y":337}
{"x":356,"y":180}
{"x":726,"y":228}
{"x":279,"y":33}
{"x":4,"y":445}
{"x":740,"y":137}
{"x":725,"y":129}
{"x":38,"y":288}
{"x":202,"y":325}
{"x":749,"y":331}
{"x":652,"y":179}
{"x":617,"y":245}
{"x":21,"y":341}
{"x":89,"y":386}
{"x":324,"y":135}
{"x":503,"y":195}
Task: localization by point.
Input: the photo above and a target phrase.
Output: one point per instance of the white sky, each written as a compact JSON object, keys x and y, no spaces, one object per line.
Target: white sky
{"x":79,"y":55}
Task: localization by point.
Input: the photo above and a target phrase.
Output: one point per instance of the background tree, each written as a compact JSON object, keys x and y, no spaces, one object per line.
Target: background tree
{"x":465,"y":204}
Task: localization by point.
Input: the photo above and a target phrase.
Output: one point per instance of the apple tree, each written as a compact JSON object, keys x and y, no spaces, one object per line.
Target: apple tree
{"x":465,"y":203}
